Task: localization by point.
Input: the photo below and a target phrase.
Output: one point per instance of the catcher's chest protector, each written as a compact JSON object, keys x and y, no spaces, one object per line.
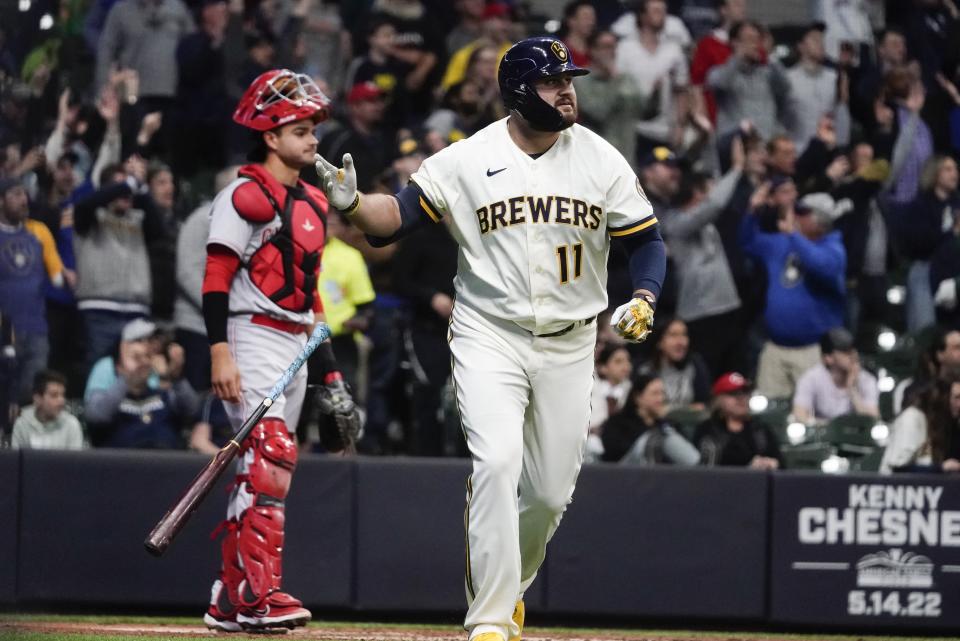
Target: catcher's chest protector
{"x":285,"y":268}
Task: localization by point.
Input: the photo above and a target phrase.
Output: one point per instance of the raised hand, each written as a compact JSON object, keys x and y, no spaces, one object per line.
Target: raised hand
{"x":340,"y":185}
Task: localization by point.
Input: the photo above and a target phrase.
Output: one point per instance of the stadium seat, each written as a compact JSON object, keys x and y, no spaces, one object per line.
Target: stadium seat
{"x":809,"y":456}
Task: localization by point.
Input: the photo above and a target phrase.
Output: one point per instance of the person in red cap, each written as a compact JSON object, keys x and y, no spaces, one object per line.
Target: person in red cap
{"x":363,"y":133}
{"x":731,"y":436}
{"x":267,"y":231}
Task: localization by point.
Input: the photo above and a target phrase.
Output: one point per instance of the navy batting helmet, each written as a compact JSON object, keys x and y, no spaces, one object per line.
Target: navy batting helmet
{"x":525,"y":62}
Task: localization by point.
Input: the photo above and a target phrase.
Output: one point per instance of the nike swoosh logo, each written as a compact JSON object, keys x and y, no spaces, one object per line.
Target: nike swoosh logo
{"x":494,"y":173}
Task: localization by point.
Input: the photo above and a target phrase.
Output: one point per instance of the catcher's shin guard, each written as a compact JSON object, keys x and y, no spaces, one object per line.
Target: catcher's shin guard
{"x":224,"y":595}
{"x":271,"y":455}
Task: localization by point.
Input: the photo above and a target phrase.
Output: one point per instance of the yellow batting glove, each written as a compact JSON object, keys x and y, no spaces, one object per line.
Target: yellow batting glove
{"x":633,"y":321}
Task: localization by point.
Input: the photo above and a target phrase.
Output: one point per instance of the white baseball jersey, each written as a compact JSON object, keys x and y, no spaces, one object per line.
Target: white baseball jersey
{"x":229,"y":229}
{"x":534,"y":234}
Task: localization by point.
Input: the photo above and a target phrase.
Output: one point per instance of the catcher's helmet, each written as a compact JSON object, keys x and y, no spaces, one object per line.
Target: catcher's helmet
{"x":278,"y":97}
{"x":525,"y":62}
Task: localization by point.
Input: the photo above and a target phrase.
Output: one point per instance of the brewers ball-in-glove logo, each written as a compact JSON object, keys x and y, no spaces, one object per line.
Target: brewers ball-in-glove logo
{"x":559,"y":50}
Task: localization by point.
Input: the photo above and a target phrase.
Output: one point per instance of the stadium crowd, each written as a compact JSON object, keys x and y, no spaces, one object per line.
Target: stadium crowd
{"x":805,"y":178}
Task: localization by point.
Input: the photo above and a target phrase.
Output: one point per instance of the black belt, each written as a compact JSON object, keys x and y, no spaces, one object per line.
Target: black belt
{"x":569,"y":328}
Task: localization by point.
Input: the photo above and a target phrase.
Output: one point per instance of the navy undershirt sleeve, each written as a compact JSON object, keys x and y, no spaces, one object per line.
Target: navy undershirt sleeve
{"x":412,"y":215}
{"x":648,"y":260}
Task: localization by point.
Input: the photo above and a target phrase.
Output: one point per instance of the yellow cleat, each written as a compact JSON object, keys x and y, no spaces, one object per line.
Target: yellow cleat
{"x":488,"y":636}
{"x":519,"y":612}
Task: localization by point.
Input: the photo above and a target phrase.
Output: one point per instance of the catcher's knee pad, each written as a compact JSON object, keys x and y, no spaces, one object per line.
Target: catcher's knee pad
{"x":260,"y":533}
{"x":274,"y":458}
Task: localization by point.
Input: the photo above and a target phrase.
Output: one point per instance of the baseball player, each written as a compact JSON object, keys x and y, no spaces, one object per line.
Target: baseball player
{"x":533,"y":200}
{"x":267,"y":232}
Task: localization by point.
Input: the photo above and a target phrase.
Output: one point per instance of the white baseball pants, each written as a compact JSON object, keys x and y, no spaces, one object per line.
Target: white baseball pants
{"x":262,"y":354}
{"x":524,"y":404}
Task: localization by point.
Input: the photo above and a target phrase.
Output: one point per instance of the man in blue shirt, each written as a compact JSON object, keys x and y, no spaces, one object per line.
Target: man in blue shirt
{"x":805,"y":264}
{"x":28,"y":257}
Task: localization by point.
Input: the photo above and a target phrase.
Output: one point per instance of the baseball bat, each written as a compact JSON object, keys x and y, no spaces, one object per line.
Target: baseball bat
{"x":177,"y":516}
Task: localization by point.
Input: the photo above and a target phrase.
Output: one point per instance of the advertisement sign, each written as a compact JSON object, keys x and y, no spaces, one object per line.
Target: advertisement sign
{"x":866,"y":551}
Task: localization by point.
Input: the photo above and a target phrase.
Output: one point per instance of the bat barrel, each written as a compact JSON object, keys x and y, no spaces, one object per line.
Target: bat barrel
{"x":177,"y":516}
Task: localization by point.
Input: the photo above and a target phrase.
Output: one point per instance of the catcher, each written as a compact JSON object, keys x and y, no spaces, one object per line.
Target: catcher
{"x":267,"y":232}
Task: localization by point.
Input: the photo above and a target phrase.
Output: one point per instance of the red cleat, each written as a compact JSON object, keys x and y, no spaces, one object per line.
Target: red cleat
{"x":279,"y":610}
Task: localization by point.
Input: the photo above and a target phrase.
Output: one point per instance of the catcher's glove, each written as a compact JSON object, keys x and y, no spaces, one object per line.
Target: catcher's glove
{"x":634,"y":320}
{"x":334,"y":399}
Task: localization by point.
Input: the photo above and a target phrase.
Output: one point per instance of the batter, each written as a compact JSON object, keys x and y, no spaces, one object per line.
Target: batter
{"x":533,"y":201}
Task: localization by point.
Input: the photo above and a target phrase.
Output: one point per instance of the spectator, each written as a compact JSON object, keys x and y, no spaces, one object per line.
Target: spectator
{"x":362,"y":135}
{"x":930,"y":28}
{"x":903,"y":99}
{"x":163,"y":248}
{"x":46,"y":425}
{"x":383,"y":66}
{"x":925,"y":437}
{"x":707,"y":294}
{"x":816,"y":90}
{"x":805,"y":264}
{"x":837,"y":385}
{"x":685,"y":377}
{"x":731,"y":436}
{"x":713,"y":50}
{"x":638,"y":434}
{"x":660,"y":177}
{"x":138,"y":397}
{"x":212,"y":429}
{"x":865,"y":235}
{"x":142,"y":35}
{"x":469,"y":24}
{"x":112,"y":229}
{"x":945,"y":272}
{"x":424,"y":267}
{"x":418,"y":44}
{"x":191,"y":332}
{"x":659,"y":69}
{"x":749,"y":85}
{"x":611,"y":386}
{"x":28,"y":257}
{"x":922,"y":226}
{"x":866,"y":81}
{"x":610,"y":102}
{"x":496,"y":30}
{"x":327,"y":44}
{"x":627,"y":26}
{"x":847,"y":25}
{"x":579,"y":23}
{"x":201,"y":113}
{"x":939,"y":361}
{"x":461,"y":113}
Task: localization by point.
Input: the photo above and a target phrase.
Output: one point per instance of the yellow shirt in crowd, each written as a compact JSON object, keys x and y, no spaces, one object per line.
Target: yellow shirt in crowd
{"x":344,"y":283}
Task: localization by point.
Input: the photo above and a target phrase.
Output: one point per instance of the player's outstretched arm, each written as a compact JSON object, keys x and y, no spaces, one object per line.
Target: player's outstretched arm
{"x":374,"y":214}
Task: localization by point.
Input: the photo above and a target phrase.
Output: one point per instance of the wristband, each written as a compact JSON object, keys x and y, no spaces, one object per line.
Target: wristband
{"x":353,"y":206}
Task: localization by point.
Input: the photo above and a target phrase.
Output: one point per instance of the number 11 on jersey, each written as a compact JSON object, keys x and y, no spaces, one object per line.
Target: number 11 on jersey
{"x":563,"y":252}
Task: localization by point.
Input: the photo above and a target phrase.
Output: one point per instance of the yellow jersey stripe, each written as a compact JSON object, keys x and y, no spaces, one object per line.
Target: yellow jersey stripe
{"x":429,"y":210}
{"x":632,"y":230}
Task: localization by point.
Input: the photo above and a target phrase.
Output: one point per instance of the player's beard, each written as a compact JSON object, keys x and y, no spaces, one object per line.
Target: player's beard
{"x":569,"y":116}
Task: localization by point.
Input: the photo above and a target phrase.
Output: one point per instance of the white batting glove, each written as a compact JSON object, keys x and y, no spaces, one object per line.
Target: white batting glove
{"x":633,"y":321}
{"x":340,"y":185}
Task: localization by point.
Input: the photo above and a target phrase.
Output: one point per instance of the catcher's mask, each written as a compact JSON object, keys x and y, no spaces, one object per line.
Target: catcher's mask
{"x":278,"y":97}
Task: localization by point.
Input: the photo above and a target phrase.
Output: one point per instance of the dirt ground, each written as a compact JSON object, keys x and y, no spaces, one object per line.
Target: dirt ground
{"x":319,"y":632}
